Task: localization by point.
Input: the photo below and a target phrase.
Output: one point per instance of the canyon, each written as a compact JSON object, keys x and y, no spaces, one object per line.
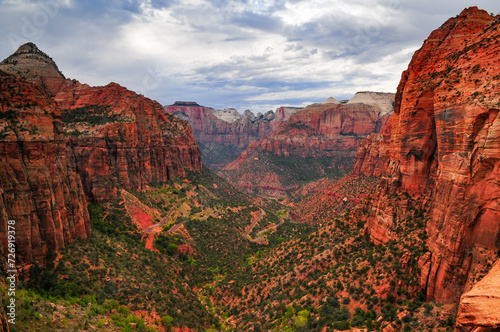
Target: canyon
{"x":223,"y":134}
{"x":381,"y":212}
{"x":323,"y":136}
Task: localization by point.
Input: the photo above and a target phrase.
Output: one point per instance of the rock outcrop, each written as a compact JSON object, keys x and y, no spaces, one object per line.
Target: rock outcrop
{"x":36,"y":67}
{"x":378,"y":99}
{"x":445,"y":148}
{"x":38,"y":188}
{"x":120,"y":139}
{"x":224,"y":134}
{"x":115,"y":137}
{"x":325,"y":136}
{"x":479,"y":307}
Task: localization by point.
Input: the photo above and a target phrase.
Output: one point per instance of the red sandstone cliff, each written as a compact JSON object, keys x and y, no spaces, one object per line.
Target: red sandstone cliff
{"x":324,"y":135}
{"x":444,"y":147}
{"x":38,"y":189}
{"x":60,"y":140}
{"x":223,"y":134}
{"x":479,"y":307}
{"x":115,"y":137}
{"x":323,"y":129}
{"x":128,"y":141}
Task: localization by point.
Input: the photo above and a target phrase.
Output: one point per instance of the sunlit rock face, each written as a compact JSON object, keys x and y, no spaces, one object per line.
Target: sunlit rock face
{"x":444,"y":144}
{"x":478,"y":310}
{"x":63,"y":142}
{"x":115,"y":137}
{"x":39,"y":191}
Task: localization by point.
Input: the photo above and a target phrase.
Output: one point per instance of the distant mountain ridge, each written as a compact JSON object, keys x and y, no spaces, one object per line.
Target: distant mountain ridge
{"x":322,"y":137}
{"x":223,"y":134}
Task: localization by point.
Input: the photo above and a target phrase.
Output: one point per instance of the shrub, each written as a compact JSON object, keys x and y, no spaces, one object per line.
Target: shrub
{"x":166,"y":321}
{"x":172,"y":248}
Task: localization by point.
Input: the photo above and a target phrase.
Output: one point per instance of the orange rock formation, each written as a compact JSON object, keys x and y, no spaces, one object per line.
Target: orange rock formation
{"x":444,"y":144}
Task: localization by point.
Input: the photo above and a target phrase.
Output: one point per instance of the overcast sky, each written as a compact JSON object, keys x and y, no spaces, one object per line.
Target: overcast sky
{"x":248,"y":54}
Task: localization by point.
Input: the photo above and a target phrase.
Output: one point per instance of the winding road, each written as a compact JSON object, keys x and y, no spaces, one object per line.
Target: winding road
{"x":259,"y":237}
{"x":164,"y":220}
{"x":149,"y":230}
{"x":252,"y":225}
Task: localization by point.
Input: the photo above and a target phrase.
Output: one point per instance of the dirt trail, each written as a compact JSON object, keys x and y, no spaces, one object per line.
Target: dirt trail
{"x":177,"y":226}
{"x":259,"y":237}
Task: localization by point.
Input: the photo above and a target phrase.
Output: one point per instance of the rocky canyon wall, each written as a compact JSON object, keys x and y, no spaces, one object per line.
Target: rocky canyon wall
{"x":38,"y":188}
{"x":115,"y":137}
{"x":444,"y":146}
{"x":63,"y":142}
{"x":319,"y":141}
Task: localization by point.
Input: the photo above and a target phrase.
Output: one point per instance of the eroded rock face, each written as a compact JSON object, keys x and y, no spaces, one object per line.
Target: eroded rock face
{"x":38,"y":188}
{"x":445,"y":145}
{"x":479,"y":307}
{"x":120,"y":139}
{"x":373,"y":153}
{"x":223,"y":134}
{"x":323,"y":129}
{"x":115,"y":137}
{"x":35,"y":66}
{"x":384,"y":101}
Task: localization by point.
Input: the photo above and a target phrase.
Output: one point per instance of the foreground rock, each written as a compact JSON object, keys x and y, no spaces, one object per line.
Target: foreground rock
{"x":479,"y":307}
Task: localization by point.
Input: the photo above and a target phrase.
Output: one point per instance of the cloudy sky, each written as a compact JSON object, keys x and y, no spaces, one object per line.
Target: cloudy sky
{"x":247,"y":54}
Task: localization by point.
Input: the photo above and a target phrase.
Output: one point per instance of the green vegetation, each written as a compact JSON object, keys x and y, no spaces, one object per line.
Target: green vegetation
{"x":106,"y":268}
{"x":335,"y":274}
{"x":215,"y":154}
{"x":292,"y":171}
{"x":207,"y":276}
{"x":93,"y":114}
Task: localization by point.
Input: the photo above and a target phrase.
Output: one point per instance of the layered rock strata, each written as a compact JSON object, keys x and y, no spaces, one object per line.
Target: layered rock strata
{"x":324,"y":135}
{"x":479,"y":307}
{"x":115,"y":137}
{"x":61,"y":140}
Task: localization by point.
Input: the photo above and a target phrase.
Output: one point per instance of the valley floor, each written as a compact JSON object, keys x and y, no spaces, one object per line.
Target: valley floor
{"x":197,"y":254}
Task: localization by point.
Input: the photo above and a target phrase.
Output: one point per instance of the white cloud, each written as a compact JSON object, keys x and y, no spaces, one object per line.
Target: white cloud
{"x":246,"y":54}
